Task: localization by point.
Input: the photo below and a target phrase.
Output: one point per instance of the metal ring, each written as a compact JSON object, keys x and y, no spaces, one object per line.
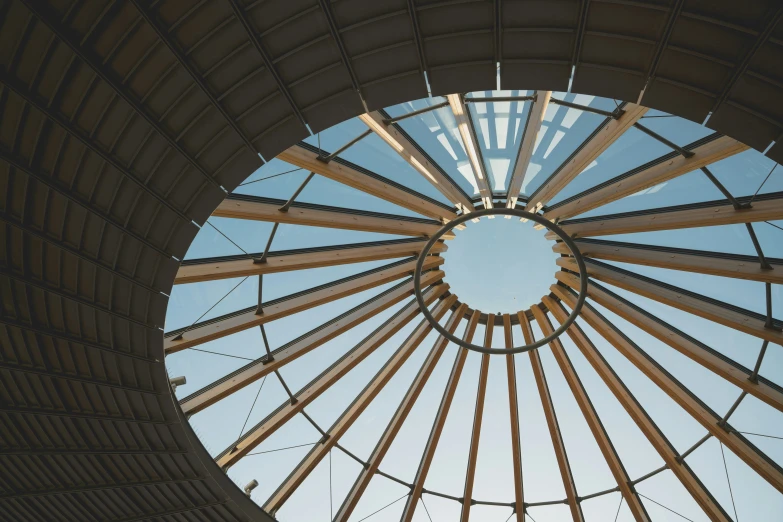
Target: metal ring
{"x":503,"y":212}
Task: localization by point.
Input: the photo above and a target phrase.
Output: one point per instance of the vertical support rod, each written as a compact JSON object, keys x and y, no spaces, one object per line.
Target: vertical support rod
{"x":290,"y":201}
{"x":763,"y":260}
{"x":734,"y":203}
{"x":262,"y":259}
{"x":357,"y":139}
{"x":259,"y":309}
{"x":269,"y":356}
{"x":754,"y":377}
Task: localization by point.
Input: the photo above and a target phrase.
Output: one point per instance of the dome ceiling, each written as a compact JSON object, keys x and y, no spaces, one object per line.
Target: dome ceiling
{"x":125,"y":125}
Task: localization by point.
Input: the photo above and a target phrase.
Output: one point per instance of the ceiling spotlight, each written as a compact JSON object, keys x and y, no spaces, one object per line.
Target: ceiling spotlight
{"x":251,"y":486}
{"x":177,"y":381}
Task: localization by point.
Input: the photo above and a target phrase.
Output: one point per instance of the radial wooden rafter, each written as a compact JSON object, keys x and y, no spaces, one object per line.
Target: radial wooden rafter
{"x":349,"y":416}
{"x":658,"y":440}
{"x":711,"y":421}
{"x":407,"y":402}
{"x":350,"y":175}
{"x":535,"y":117}
{"x":588,"y":411}
{"x":608,"y":133}
{"x":440,"y":420}
{"x":513,"y":408}
{"x":708,"y":214}
{"x":712,"y":263}
{"x":415,"y":157}
{"x":264,"y":209}
{"x":720,"y":148}
{"x":240,"y":266}
{"x":721,"y":313}
{"x":265,"y":365}
{"x":572,"y":497}
{"x":468,"y":134}
{"x":323,"y":382}
{"x":478,"y":415}
{"x":733,"y":372}
{"x":206,"y":331}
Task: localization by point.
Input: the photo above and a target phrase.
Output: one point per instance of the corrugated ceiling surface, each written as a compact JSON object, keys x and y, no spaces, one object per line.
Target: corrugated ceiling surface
{"x":125,"y":123}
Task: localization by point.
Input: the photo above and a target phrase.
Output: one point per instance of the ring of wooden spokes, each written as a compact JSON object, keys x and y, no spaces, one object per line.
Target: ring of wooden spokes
{"x":501,"y":211}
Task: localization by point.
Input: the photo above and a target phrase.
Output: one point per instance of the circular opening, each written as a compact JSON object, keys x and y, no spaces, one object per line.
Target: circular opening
{"x":489,"y":212}
{"x":499,"y":265}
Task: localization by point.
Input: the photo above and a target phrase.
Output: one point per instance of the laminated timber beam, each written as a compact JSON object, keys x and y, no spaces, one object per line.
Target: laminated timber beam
{"x":600,"y":140}
{"x":306,"y":157}
{"x":440,"y":420}
{"x":349,"y":416}
{"x":206,"y":331}
{"x":269,"y":210}
{"x":396,"y":422}
{"x":403,"y":145}
{"x":535,"y":118}
{"x":698,"y":261}
{"x":656,"y":172}
{"x":766,"y":207}
{"x":478,"y":415}
{"x":513,"y":407}
{"x":722,"y":313}
{"x":324,"y":381}
{"x":197,"y":270}
{"x":711,"y":421}
{"x":468,"y":134}
{"x":738,"y":375}
{"x":572,"y":498}
{"x":291,"y":351}
{"x":654,"y":435}
{"x":588,"y":410}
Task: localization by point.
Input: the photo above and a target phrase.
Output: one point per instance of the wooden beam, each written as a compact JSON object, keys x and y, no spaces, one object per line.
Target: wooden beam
{"x":701,"y":262}
{"x":221,"y":327}
{"x":673,"y":218}
{"x":713,"y":310}
{"x":535,"y":117}
{"x":324,"y":381}
{"x":623,"y":186}
{"x":478,"y":415}
{"x":714,"y":361}
{"x":468,"y":134}
{"x":658,"y":440}
{"x":513,"y":410}
{"x":710,"y":420}
{"x":396,"y":422}
{"x":440,"y":420}
{"x":347,"y":174}
{"x":414,"y":156}
{"x":558,"y":445}
{"x":586,"y":406}
{"x":579,"y":161}
{"x":291,"y":351}
{"x":264,"y":209}
{"x":240,"y":266}
{"x":349,"y":416}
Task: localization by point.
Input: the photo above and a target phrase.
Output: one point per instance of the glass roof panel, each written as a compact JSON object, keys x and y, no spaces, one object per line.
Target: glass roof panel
{"x":473,"y":277}
{"x":563,"y":131}
{"x":633,"y":149}
{"x":436,"y":132}
{"x":499,"y":129}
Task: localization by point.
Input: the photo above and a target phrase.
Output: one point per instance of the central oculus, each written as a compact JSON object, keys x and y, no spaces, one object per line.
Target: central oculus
{"x":501,"y":212}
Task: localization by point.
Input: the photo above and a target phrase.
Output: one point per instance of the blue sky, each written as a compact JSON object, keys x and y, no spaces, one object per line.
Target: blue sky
{"x":496,"y":265}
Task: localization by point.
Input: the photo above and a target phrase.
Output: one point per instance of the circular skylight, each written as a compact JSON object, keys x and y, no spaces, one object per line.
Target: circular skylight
{"x":310,"y":368}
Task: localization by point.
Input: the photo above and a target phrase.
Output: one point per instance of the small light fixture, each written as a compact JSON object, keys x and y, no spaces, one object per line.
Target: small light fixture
{"x":250,"y":487}
{"x":177,"y":381}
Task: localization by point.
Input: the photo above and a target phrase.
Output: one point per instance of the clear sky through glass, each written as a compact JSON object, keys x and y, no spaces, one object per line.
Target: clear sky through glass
{"x":495,"y":265}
